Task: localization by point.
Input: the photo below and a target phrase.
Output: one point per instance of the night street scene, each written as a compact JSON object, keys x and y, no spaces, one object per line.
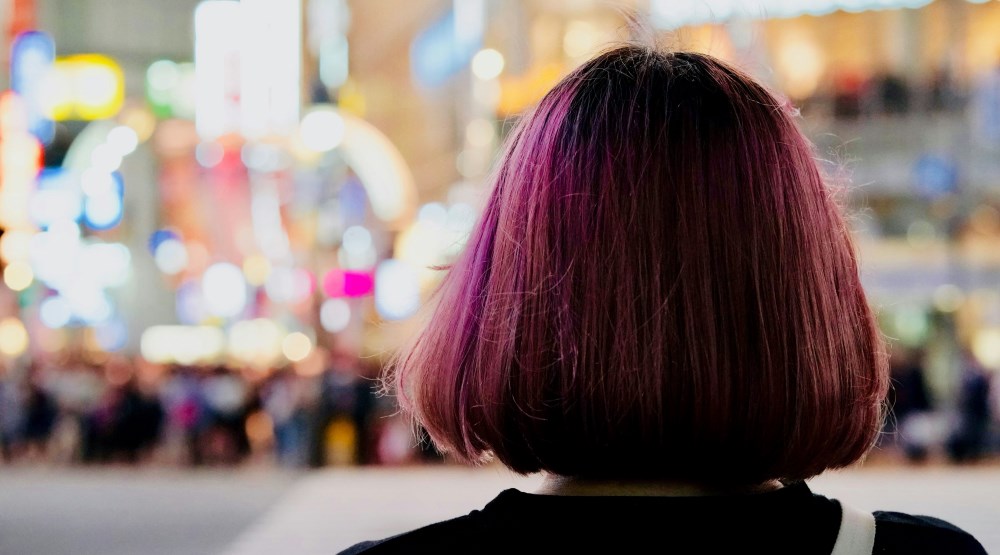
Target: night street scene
{"x":499,"y":276}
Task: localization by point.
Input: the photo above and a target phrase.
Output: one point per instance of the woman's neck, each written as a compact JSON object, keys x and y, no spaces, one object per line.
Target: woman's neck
{"x":562,"y":485}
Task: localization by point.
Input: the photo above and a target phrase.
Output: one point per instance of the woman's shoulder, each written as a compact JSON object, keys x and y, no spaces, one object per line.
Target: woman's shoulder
{"x":906,"y":533}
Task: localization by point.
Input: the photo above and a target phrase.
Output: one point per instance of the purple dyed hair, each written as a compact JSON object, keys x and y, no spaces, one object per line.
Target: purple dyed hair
{"x":661,"y":286}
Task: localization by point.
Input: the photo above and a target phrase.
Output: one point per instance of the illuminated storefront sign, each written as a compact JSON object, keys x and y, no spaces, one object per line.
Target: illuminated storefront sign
{"x":84,"y":87}
{"x":217,"y":68}
{"x":248,"y":67}
{"x":31,"y":60}
{"x":271,"y":66}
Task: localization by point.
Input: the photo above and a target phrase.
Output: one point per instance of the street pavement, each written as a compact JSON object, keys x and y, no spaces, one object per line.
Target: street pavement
{"x":122,"y":511}
{"x":258,"y":512}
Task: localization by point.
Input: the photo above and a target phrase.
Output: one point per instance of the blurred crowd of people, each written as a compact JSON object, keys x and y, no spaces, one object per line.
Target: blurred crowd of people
{"x":128,"y":411}
{"x":963,"y":426}
{"x":851,"y":95}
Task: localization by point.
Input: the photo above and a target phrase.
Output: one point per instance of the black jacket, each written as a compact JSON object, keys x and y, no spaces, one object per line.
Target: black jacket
{"x":788,"y":520}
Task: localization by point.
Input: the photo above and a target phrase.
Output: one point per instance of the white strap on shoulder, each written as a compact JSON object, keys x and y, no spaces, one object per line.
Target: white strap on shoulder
{"x":857,"y":532}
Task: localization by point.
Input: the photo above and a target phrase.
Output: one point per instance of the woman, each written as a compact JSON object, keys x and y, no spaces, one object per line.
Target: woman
{"x":661,"y":310}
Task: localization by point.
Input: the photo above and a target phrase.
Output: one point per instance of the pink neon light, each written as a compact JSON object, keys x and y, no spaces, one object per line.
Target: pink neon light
{"x":345,"y":283}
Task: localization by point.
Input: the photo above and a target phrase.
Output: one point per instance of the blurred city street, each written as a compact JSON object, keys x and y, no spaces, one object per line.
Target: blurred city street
{"x":220,"y":220}
{"x":251,"y":512}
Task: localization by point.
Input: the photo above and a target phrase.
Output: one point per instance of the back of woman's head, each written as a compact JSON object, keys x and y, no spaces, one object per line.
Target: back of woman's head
{"x":660,"y":287}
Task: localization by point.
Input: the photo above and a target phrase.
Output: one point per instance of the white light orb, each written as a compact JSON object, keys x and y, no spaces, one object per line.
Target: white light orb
{"x":209,"y":154}
{"x":13,"y":337}
{"x":96,"y":182}
{"x":55,"y":312}
{"x":357,"y":240}
{"x":224,"y":289}
{"x":171,"y":257}
{"x":54,"y":254}
{"x":89,"y":304}
{"x":18,"y":276}
{"x":65,"y":232}
{"x":163,"y":75}
{"x":322,"y":130}
{"x":335,"y":315}
{"x":15,"y":245}
{"x":364,"y":260}
{"x":397,"y":290}
{"x":433,"y":213}
{"x":123,"y":140}
{"x":103,"y":211}
{"x":296,"y":346}
{"x":289,"y":285}
{"x":105,"y":158}
{"x":110,"y":262}
{"x":263,"y":157}
{"x":487,"y":64}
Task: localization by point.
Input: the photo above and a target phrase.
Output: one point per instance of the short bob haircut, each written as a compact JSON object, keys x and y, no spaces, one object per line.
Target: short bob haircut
{"x":661,"y":286}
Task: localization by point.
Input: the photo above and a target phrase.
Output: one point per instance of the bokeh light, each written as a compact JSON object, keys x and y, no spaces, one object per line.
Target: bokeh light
{"x":289,"y":285}
{"x":13,"y":337}
{"x":171,"y":256}
{"x":86,"y":87}
{"x":140,"y":120}
{"x":57,"y":197}
{"x":948,"y":297}
{"x":433,"y":213}
{"x":209,"y":154}
{"x":346,"y":283}
{"x":224,"y":289}
{"x":89,"y":305}
{"x":322,"y":130}
{"x":159,"y":236}
{"x":95,"y":182}
{"x":397,"y":290}
{"x":296,"y":346}
{"x":106,"y":158}
{"x":18,"y":276}
{"x":357,"y":239}
{"x":55,"y":312}
{"x":15,"y":245}
{"x":182,"y":344}
{"x":103,"y":211}
{"x":335,"y":315}
{"x":256,"y":342}
{"x":123,"y":140}
{"x":487,"y":64}
{"x":257,"y":268}
{"x":295,"y":177}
